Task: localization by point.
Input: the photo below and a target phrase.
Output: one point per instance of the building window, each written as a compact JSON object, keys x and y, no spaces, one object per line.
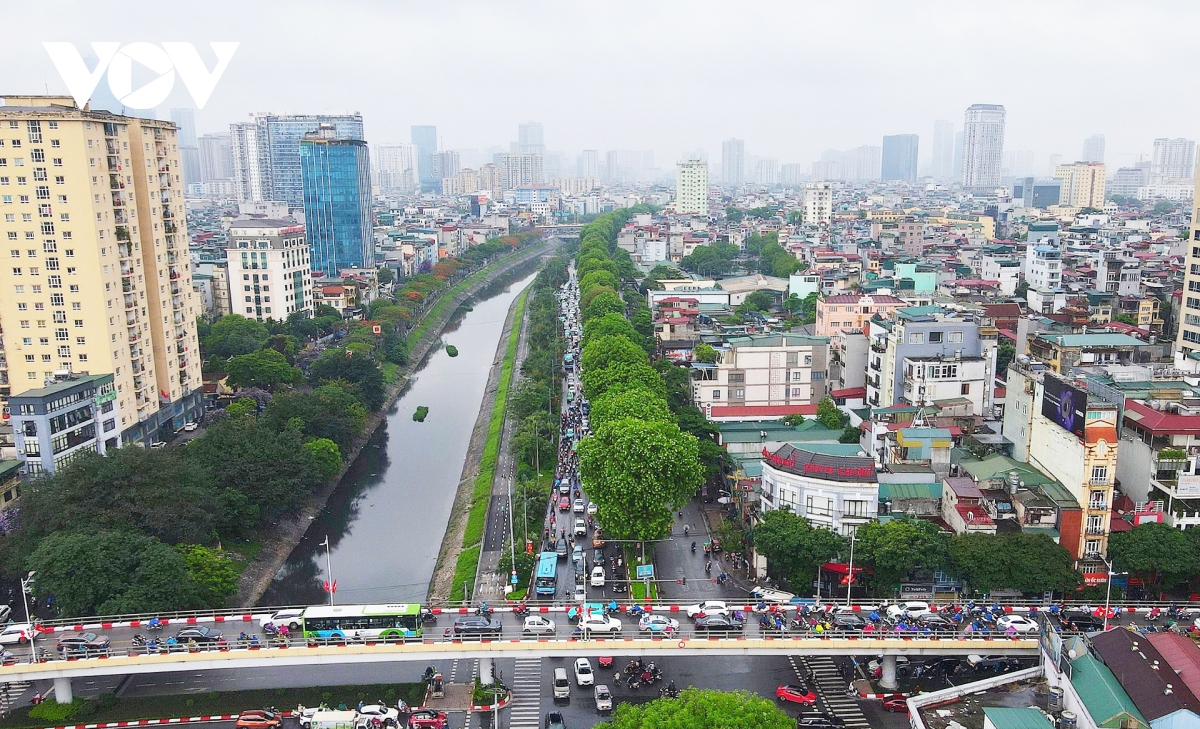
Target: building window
{"x":716,"y":394}
{"x":855,"y":508}
{"x":935,"y":337}
{"x":1100,"y":475}
{"x":916,"y":338}
{"x":819,"y":506}
{"x":954,"y":337}
{"x":966,"y":388}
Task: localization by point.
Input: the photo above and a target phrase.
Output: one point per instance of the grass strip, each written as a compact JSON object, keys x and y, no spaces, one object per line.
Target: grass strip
{"x":468,"y":559}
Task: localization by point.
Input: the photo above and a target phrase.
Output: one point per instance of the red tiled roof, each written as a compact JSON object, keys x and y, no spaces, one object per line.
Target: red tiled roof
{"x":849,"y":392}
{"x":1159,"y":422}
{"x":1183,"y":656}
{"x":764,"y":411}
{"x":973,"y":514}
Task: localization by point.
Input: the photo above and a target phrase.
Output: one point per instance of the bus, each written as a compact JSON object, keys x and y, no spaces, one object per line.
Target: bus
{"x":368,"y":622}
{"x":547,"y":574}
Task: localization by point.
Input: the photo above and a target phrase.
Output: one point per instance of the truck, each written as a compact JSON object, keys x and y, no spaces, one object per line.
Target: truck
{"x":332,"y":719}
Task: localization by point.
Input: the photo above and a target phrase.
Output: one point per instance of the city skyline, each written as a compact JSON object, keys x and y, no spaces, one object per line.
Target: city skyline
{"x":1039,"y":119}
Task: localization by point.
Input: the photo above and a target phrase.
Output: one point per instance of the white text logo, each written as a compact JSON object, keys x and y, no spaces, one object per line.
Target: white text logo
{"x":164,"y":60}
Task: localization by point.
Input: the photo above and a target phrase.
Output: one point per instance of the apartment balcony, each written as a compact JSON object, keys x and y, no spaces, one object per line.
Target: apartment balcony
{"x":177,"y":303}
{"x":114,"y":164}
{"x":159,"y":135}
{"x":126,"y":284}
{"x":183,"y":363}
{"x":877,"y":346}
{"x":169,"y":227}
{"x":111,"y":146}
{"x":1096,"y":531}
{"x":117,"y":201}
{"x":135,"y":352}
{"x":876,"y":365}
{"x":174,"y":272}
{"x":138,"y":368}
{"x":123,"y":235}
{"x":176,"y":289}
{"x":1099,"y":482}
{"x":166,"y":212}
{"x":180,"y":348}
{"x":172,"y":258}
{"x":130,"y":320}
{"x":139,"y":383}
{"x":178,"y":319}
{"x":180,"y":334}
{"x":133,"y":338}
{"x":1098,"y":506}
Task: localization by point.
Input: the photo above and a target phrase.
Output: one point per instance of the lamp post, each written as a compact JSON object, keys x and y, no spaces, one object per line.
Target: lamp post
{"x":1108,"y":592}
{"x":328,"y":567}
{"x":26,"y":588}
{"x":850,"y":572}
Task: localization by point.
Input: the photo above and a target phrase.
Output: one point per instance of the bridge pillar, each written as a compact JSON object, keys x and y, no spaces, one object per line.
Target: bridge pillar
{"x":62,"y":691}
{"x":486,"y":671}
{"x":888,"y":679}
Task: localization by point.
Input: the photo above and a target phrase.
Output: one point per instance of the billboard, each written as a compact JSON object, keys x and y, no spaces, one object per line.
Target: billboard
{"x":1064,"y":405}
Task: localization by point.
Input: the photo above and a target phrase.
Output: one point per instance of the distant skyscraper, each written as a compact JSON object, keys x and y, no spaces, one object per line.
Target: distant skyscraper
{"x":529,"y":138}
{"x":185,"y":119}
{"x":216,"y":157}
{"x":899,"y":158}
{"x":1093,"y":148}
{"x":518,"y":170}
{"x":691,"y":188}
{"x":766,"y":172}
{"x":624,"y":165}
{"x":1174,"y":159}
{"x":983,"y":146}
{"x":490,"y":179}
{"x":446,"y":164}
{"x":249,"y":165}
{"x":861,"y":164}
{"x":425,"y":140}
{"x":943,"y":150}
{"x":589,"y":163}
{"x":733,"y":162}
{"x":1082,"y":184}
{"x":336,"y":173}
{"x":267,"y":164}
{"x":395,"y":166}
{"x":791,"y":174}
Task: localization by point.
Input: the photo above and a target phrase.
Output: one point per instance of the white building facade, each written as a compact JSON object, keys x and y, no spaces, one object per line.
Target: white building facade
{"x":270,"y":276}
{"x":818,"y":203}
{"x":839,"y":493}
{"x":691,"y":188}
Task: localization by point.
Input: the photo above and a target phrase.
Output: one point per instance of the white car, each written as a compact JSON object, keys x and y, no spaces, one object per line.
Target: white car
{"x":597,"y":576}
{"x":656,"y":623}
{"x":580,"y":528}
{"x":592,"y":509}
{"x":578,"y":506}
{"x":371,"y":711}
{"x":16,"y":633}
{"x":290,"y":618}
{"x":583,"y":672}
{"x":580,"y":594}
{"x":537,"y":625}
{"x":1019,"y":623}
{"x":914,"y":609}
{"x":877,"y":663}
{"x":600,"y":624}
{"x":603,"y":698}
{"x":709,"y":607}
{"x":190,"y":427}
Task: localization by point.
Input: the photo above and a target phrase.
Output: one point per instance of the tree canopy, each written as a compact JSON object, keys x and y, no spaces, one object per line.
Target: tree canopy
{"x":603,"y":352}
{"x":794,"y":548}
{"x":234,"y":334}
{"x":1026,"y":562}
{"x":701,"y":709}
{"x":894,"y":549}
{"x":635,"y":402}
{"x":266,"y":368}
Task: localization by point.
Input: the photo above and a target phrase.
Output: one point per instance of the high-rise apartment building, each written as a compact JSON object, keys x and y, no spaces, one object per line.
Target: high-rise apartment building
{"x":1188,"y":338}
{"x":691,"y":188}
{"x":766,"y":172}
{"x":733,"y":162}
{"x":1127,"y":180}
{"x":446,"y":164}
{"x":1082,"y":184}
{"x":529,"y":138}
{"x":983,"y":146}
{"x":899,"y":158}
{"x":490,"y":178}
{"x":394,"y":167}
{"x":791,"y":174}
{"x":267,"y":154}
{"x":216,"y":157}
{"x":185,"y":122}
{"x":248,"y":181}
{"x":521,"y":169}
{"x":424,"y":138}
{"x":1093,"y":149}
{"x":817,"y":203}
{"x":99,"y":277}
{"x":269,"y":271}
{"x":943,"y":150}
{"x":861,"y":164}
{"x":1174,"y":159}
{"x":589,"y":163}
{"x":337,"y":201}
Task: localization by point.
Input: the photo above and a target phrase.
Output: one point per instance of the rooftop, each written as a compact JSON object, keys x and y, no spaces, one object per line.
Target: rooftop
{"x":1003,"y":717}
{"x":1101,"y":692}
{"x":50,"y":391}
{"x":1105,"y":339}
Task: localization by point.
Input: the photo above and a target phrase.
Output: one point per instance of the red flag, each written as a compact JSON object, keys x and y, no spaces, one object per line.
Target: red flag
{"x":329,"y":587}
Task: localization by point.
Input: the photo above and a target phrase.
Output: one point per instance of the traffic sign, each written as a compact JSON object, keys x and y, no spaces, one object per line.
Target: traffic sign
{"x":645,"y":572}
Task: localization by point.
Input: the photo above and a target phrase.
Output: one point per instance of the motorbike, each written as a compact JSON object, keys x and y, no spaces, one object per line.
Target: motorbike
{"x":154,"y":624}
{"x":633,"y":683}
{"x":427,"y":616}
{"x":634,"y":667}
{"x":270,"y":630}
{"x":521,"y":610}
{"x":138,"y":640}
{"x":670,"y":691}
{"x":483,"y":611}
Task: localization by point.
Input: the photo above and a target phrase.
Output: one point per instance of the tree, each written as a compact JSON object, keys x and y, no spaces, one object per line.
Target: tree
{"x":795,"y":217}
{"x":606,"y":302}
{"x":734,"y":215}
{"x":603,"y":352}
{"x":587,"y":298}
{"x":643,"y":322}
{"x":850,"y":434}
{"x":211,"y":570}
{"x":330,"y":411}
{"x":829,"y":415}
{"x":597,"y":382}
{"x":793,"y":547}
{"x":1025,"y":562}
{"x":1153,"y":551}
{"x":636,"y":472}
{"x":756,"y":301}
{"x":361,"y":371}
{"x":385,"y":276}
{"x":894,"y":549}
{"x":701,"y":709}
{"x":242,"y":407}
{"x":533,"y":438}
{"x":609,"y":325}
{"x":774,"y":260}
{"x":713,"y":259}
{"x":704,"y":353}
{"x":1005,"y":353}
{"x":232,"y":335}
{"x":285,"y":344}
{"x":598,"y":278}
{"x":1022,"y":290}
{"x":266,"y":368}
{"x":326,"y":457}
{"x":638,"y":402}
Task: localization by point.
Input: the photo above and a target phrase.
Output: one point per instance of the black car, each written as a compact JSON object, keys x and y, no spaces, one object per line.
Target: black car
{"x":1082,"y":622}
{"x":554,"y":720}
{"x":598,"y":556}
{"x":818,"y":719}
{"x":849,"y":621}
{"x":474,"y":625}
{"x":933,"y":621}
{"x":718,"y":622}
{"x":84,"y":643}
{"x":198,"y":633}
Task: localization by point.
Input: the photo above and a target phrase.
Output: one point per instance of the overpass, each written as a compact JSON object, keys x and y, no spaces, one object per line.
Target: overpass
{"x":137,"y":661}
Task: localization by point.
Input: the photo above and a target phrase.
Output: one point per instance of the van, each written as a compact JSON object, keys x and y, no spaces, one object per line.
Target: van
{"x":562,"y":685}
{"x":597,"y":576}
{"x":326,"y":719}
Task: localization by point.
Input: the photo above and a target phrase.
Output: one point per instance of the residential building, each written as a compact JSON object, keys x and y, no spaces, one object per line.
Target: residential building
{"x":691,"y":188}
{"x":216,"y":157}
{"x":521,"y":169}
{"x":861,"y":164}
{"x":766,"y":172}
{"x":963,"y":507}
{"x":771,"y":369}
{"x":1082,"y":184}
{"x":1039,"y":195}
{"x":733,"y":162}
{"x":446,"y":164}
{"x":817,"y":203}
{"x":851,"y":313}
{"x":490,"y":178}
{"x":11,"y":473}
{"x":394,"y":167}
{"x":983,"y":146}
{"x":1043,"y":266}
{"x":899,"y":158}
{"x":269,"y":269}
{"x":249,"y":171}
{"x":1118,"y":272}
{"x":1160,"y":450}
{"x":1093,"y":149}
{"x":100,"y":278}
{"x":941,"y":380}
{"x":189,"y":155}
{"x":791,"y":174}
{"x":1128,"y":180}
{"x":589,"y":163}
{"x":529,"y":138}
{"x":337,"y":200}
{"x":1174,"y":159}
{"x":1005,"y":270}
{"x":1061,"y":352}
{"x":943,"y":150}
{"x":839,"y":493}
{"x":67,"y":417}
{"x":424,"y":138}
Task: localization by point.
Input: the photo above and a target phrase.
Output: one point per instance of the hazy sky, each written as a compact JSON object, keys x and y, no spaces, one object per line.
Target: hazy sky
{"x":791,"y":78}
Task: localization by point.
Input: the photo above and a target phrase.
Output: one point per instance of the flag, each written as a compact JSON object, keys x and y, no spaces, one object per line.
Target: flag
{"x":330,"y":587}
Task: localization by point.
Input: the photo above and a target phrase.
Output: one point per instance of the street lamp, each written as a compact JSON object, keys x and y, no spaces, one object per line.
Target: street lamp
{"x":850,"y":572}
{"x":26,"y":588}
{"x":1108,"y":592}
{"x":329,"y":568}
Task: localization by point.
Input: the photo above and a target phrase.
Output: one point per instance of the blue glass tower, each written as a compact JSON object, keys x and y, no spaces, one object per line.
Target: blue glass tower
{"x":336,"y":175}
{"x":279,"y":148}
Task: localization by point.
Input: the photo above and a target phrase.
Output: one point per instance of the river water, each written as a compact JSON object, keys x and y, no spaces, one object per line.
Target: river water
{"x":386,"y":520}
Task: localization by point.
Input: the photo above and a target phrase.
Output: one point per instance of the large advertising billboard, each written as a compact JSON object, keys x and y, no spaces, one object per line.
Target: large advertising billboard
{"x":1064,"y":404}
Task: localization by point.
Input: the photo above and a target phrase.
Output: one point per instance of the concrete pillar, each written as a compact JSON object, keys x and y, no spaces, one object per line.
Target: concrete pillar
{"x":62,"y":691}
{"x":486,"y":675}
{"x":888,"y":679}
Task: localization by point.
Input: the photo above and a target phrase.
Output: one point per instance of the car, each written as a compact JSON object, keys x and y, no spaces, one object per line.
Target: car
{"x":564,"y":503}
{"x":577,"y":554}
{"x":258,"y":719}
{"x":597,"y":579}
{"x":875,"y":666}
{"x":83,"y":643}
{"x":189,"y":427}
{"x":912,"y":608}
{"x":290,"y":618}
{"x":474,"y":626}
{"x":1019,"y":623}
{"x":583,"y":672}
{"x":554,"y":720}
{"x":198,"y":633}
{"x":655,"y":623}
{"x":768,"y":595}
{"x":718,"y":622}
{"x":849,"y":621}
{"x":934,"y":621}
{"x":580,"y":528}
{"x":578,"y":507}
{"x":368,"y":713}
{"x":580,"y":593}
{"x":708,"y":607}
{"x":561,"y":548}
{"x":598,"y":556}
{"x":5,"y":613}
{"x":795,"y":693}
{"x":537,"y":625}
{"x":592,"y":509}
{"x":1083,"y":623}
{"x":603,"y":697}
{"x":427,"y":719}
{"x":897,"y":705}
{"x":819,"y":719}
{"x":16,"y":633}
{"x":158,"y":444}
{"x":599,"y":624}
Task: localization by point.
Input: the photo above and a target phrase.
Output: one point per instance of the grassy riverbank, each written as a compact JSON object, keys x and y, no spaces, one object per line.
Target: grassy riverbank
{"x":468,"y":560}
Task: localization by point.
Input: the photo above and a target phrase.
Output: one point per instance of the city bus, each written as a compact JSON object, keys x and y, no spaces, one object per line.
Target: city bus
{"x":368,"y":622}
{"x":547,"y":574}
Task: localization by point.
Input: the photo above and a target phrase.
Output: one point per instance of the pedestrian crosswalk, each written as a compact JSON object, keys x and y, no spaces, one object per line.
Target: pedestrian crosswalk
{"x":10,"y":693}
{"x":525,"y":711}
{"x":827,"y":681}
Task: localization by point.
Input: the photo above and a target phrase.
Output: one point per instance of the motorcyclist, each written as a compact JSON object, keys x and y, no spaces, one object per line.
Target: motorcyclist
{"x":693,"y":546}
{"x":154,"y":624}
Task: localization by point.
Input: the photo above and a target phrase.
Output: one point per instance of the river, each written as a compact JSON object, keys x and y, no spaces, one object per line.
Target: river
{"x":386,"y":520}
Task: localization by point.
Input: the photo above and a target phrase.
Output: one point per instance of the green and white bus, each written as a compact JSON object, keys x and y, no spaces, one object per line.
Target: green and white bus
{"x":366,"y":622}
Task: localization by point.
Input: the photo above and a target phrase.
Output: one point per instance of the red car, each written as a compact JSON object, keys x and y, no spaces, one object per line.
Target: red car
{"x":258,"y":719}
{"x":899,"y":705}
{"x":564,"y":504}
{"x":427,"y":719}
{"x":795,"y":693}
